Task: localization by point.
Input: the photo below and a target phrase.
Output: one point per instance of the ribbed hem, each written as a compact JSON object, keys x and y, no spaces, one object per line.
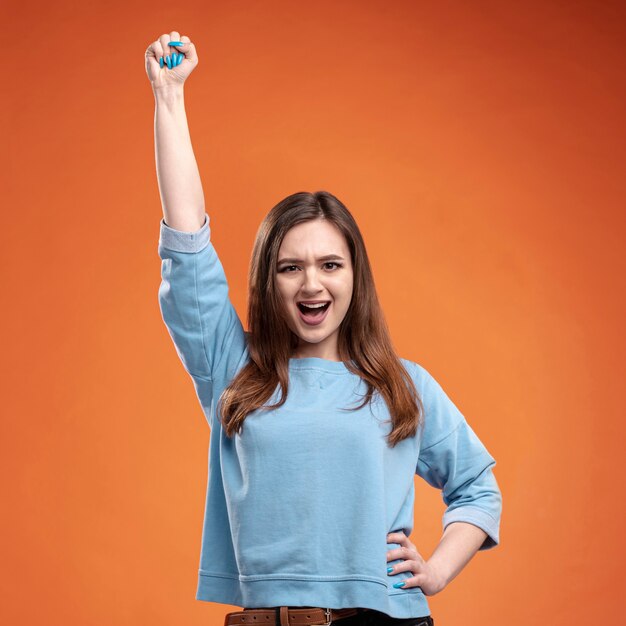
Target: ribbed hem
{"x":181,"y":241}
{"x":333,"y":593}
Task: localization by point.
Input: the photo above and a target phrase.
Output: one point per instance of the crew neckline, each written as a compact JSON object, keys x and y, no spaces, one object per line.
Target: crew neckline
{"x":315,"y":362}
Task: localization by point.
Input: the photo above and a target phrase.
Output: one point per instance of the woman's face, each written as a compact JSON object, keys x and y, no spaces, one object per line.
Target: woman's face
{"x":314,"y":266}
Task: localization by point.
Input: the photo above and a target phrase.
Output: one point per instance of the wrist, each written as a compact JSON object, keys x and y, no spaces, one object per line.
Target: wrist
{"x":441,"y":574}
{"x":168,"y":94}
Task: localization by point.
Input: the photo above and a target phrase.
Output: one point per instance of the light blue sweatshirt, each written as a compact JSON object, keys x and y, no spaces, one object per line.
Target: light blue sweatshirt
{"x":299,"y":505}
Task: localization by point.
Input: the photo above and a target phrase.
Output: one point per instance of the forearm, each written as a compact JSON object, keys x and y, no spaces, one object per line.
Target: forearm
{"x":458,"y":545}
{"x":177,"y":171}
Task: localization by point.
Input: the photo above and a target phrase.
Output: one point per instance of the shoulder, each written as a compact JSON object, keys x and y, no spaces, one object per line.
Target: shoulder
{"x":435,"y":399}
{"x":442,"y":416}
{"x":420,"y":375}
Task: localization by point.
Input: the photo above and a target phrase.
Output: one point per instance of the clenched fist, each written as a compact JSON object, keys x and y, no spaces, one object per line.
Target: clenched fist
{"x":168,"y":65}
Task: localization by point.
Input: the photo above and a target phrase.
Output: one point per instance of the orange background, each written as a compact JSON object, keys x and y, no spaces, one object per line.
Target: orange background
{"x":480,"y":146}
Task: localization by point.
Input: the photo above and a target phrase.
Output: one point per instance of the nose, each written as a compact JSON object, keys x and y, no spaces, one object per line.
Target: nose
{"x":311,"y":284}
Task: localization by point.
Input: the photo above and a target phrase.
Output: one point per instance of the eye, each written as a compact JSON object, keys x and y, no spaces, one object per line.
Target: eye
{"x":287,"y":268}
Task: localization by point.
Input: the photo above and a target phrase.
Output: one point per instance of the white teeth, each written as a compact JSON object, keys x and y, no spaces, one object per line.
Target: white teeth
{"x":313,"y":306}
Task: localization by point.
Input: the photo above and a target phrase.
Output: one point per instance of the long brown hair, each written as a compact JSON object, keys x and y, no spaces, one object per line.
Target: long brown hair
{"x":363,"y":334}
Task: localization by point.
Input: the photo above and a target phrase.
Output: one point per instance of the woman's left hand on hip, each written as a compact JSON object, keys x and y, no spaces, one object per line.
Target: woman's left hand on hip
{"x":424,"y":576}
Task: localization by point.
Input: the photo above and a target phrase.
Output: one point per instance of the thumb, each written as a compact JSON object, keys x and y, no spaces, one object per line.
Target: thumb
{"x":188,"y":49}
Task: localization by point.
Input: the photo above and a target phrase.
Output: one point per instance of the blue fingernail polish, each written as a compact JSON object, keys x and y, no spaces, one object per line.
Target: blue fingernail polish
{"x":161,"y":61}
{"x":389,"y":570}
{"x":179,"y":59}
{"x":176,"y":43}
{"x":168,"y":61}
{"x":397,"y":585}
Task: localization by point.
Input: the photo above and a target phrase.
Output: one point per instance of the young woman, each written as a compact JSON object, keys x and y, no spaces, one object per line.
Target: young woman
{"x":317,"y":426}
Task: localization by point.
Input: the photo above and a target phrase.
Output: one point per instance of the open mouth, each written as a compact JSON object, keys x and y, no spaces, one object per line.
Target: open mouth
{"x":313,"y":309}
{"x":313,"y":313}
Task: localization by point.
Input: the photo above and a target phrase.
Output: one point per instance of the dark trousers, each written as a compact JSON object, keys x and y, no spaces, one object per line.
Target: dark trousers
{"x":376,"y":618}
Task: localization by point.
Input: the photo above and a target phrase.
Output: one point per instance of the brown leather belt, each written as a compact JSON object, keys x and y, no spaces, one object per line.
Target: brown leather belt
{"x":285,"y":616}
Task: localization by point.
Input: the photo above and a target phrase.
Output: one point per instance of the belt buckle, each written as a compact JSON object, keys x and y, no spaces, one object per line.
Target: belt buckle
{"x":327,"y":613}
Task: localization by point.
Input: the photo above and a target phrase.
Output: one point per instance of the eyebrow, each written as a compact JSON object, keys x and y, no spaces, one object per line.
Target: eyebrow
{"x":328,"y":257}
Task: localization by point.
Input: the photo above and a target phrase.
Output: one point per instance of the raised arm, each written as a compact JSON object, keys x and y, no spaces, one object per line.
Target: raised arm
{"x":193,"y":294}
{"x":177,"y":171}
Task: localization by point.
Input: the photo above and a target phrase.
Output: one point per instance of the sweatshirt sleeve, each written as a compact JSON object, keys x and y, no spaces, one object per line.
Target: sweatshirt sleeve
{"x":196,"y":309}
{"x":453,"y":459}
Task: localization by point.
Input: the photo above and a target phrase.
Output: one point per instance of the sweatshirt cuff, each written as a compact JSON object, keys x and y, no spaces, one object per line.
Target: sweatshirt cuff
{"x":477,"y":517}
{"x":181,"y":241}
